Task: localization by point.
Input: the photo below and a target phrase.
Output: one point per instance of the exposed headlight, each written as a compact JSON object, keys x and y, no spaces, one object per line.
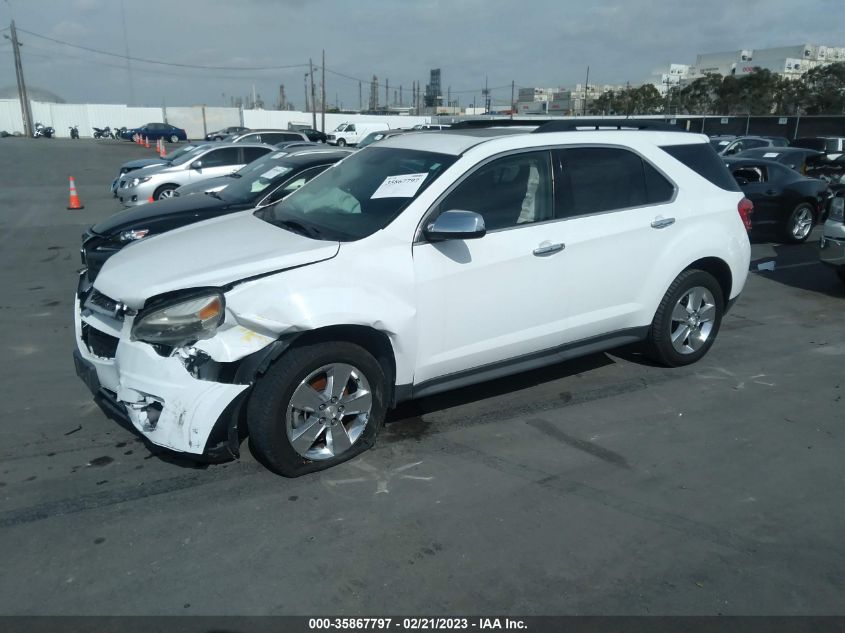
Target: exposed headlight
{"x":132,"y":235}
{"x":837,"y":209}
{"x":181,"y":322}
{"x":137,"y":181}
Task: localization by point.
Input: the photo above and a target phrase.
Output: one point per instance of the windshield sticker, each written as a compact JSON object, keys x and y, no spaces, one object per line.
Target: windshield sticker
{"x":770,"y":155}
{"x":272,"y":173}
{"x":279,"y":154}
{"x":404,"y":186}
{"x":723,"y":143}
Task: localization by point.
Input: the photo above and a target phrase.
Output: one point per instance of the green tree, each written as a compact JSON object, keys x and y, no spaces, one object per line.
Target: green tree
{"x":699,"y":97}
{"x":825,"y":86}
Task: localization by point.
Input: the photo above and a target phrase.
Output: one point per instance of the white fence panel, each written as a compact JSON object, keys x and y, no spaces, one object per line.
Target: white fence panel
{"x":188,"y":118}
{"x":63,"y":115}
{"x":10,"y":116}
{"x":219,"y":118}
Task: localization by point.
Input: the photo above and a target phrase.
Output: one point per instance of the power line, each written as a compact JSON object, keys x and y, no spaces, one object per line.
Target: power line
{"x":159,"y":62}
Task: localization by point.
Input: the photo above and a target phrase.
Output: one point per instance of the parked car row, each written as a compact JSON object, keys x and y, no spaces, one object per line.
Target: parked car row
{"x":332,"y":285}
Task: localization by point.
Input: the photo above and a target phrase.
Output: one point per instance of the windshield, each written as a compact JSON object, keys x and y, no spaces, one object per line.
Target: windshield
{"x":178,"y":152}
{"x":360,"y":195}
{"x":371,"y":138}
{"x":256,"y":177}
{"x":340,"y":128}
{"x":189,"y":155}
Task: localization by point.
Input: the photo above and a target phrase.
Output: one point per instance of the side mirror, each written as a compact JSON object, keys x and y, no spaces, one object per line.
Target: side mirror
{"x":455,"y":225}
{"x":197,"y":164}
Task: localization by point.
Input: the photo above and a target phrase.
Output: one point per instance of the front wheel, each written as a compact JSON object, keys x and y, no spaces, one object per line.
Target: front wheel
{"x":163,"y":192}
{"x":841,"y":273}
{"x":341,"y":142}
{"x":687,"y":319}
{"x":318,"y":406}
{"x":799,"y":224}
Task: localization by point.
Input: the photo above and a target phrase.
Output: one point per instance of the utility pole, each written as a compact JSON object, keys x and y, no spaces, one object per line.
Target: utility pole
{"x":26,"y":113}
{"x":386,"y":93}
{"x":401,"y":102}
{"x":313,"y":95}
{"x":323,"y":90}
{"x":305,"y":84}
{"x":513,"y":85}
{"x":360,"y":97}
{"x":586,"y":90}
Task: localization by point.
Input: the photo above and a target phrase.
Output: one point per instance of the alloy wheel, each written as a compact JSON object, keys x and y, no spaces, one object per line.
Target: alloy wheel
{"x":692,"y":320}
{"x":802,"y":224}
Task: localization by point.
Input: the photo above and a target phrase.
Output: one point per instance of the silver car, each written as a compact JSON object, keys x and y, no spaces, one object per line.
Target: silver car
{"x":160,"y":181}
{"x":140,"y":163}
{"x":267,"y":136}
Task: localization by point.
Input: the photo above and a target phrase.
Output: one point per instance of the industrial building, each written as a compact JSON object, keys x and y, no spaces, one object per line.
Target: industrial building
{"x":788,"y":61}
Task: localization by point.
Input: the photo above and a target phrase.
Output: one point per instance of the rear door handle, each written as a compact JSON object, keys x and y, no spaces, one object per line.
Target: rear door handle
{"x":548,"y":249}
{"x":662,"y":223}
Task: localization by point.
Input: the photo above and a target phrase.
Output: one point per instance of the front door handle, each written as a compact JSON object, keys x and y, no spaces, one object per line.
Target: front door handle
{"x":662,"y":223}
{"x":771,"y":192}
{"x":548,"y":249}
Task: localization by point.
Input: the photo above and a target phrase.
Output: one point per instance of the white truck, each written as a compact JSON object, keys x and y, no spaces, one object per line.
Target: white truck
{"x":350,"y":133}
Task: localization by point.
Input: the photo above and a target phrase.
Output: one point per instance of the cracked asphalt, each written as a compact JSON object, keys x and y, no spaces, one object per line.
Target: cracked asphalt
{"x":604,"y":485}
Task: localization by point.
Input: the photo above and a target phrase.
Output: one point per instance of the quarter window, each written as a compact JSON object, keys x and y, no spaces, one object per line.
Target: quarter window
{"x":507,"y":192}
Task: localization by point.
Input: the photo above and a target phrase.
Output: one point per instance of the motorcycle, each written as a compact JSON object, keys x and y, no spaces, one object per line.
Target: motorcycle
{"x":74,"y":131}
{"x":104,"y":132}
{"x":43,"y":130}
{"x":118,"y":132}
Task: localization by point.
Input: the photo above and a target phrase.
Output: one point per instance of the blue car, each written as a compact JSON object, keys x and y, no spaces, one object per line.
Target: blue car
{"x":155,"y":131}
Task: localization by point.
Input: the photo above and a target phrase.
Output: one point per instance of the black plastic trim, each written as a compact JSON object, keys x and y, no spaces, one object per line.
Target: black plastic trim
{"x":520,"y":364}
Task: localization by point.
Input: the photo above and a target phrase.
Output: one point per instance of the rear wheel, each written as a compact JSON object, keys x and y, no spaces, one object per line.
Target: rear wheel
{"x":687,"y":320}
{"x":174,"y":138}
{"x":318,"y":406}
{"x":799,"y":224}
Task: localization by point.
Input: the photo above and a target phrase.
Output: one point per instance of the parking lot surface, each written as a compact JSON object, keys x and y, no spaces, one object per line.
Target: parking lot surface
{"x":604,"y":485}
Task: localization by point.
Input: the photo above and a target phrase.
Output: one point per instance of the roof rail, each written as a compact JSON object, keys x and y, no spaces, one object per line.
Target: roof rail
{"x":489,"y":122}
{"x":572,"y":125}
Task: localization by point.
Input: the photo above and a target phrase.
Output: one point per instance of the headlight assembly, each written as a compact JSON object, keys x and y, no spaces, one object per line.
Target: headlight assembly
{"x":137,"y":181}
{"x":837,"y":209}
{"x":182,"y":321}
{"x":132,"y":235}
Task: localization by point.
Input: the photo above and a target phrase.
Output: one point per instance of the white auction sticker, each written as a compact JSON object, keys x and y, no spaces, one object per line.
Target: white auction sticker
{"x":279,"y":154}
{"x":404,"y":186}
{"x":770,"y":155}
{"x":272,"y":173}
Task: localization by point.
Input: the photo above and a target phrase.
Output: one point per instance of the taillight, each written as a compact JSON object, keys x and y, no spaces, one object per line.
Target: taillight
{"x":745,"y":208}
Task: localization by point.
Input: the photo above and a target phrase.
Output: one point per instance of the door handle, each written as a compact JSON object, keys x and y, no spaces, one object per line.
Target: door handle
{"x":548,"y":249}
{"x":771,"y":192}
{"x":662,"y":223}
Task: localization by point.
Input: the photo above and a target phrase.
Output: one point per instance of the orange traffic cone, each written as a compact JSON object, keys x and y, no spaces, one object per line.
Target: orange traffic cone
{"x":162,"y":152}
{"x":75,"y":202}
{"x":147,"y":142}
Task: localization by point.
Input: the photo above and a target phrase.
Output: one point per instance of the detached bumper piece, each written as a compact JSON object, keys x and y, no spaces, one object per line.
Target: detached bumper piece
{"x":832,"y":251}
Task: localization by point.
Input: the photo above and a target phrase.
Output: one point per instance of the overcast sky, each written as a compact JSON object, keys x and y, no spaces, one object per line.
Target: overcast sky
{"x":539,"y":43}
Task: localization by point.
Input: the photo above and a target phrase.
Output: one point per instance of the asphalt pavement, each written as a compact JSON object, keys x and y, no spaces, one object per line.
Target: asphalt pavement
{"x":604,"y":485}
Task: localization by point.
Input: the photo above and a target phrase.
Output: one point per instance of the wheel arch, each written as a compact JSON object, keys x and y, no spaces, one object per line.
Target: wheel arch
{"x":163,"y":186}
{"x":719,"y":269}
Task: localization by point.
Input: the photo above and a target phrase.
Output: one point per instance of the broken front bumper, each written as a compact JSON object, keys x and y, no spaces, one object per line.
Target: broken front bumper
{"x":156,"y":394}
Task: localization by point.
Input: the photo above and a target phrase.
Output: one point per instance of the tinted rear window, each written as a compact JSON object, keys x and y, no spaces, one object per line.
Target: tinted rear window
{"x":702,"y":159}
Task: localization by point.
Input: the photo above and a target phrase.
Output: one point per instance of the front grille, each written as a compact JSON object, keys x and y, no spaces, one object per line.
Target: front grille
{"x":99,"y":343}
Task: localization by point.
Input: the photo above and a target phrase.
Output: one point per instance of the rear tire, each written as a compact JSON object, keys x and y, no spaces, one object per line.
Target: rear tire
{"x":174,"y":138}
{"x":799,"y":224}
{"x":687,"y":320}
{"x":294,"y":425}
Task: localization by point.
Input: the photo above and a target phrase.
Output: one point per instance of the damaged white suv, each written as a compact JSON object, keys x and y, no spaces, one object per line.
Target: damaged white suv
{"x":420,"y":264}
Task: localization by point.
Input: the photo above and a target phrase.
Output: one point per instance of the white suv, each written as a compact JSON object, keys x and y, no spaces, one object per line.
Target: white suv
{"x":419,"y":264}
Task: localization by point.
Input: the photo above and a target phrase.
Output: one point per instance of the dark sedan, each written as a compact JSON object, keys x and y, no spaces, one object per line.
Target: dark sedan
{"x":793,"y":157}
{"x":784,"y":200}
{"x":219,"y":135}
{"x":155,"y":131}
{"x":262,"y":182}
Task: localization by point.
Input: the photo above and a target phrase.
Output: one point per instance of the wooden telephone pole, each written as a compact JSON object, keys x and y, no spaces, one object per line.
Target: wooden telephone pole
{"x":313,"y":95}
{"x":26,"y":113}
{"x":323,"y":92}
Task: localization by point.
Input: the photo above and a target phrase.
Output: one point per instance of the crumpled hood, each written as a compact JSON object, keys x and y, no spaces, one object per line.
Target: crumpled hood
{"x":143,"y":162}
{"x":211,"y":253}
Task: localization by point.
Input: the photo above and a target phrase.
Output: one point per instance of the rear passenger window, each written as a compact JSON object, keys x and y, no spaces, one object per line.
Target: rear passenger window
{"x":597,"y":179}
{"x":253,"y":153}
{"x":658,"y":189}
{"x":507,"y":192}
{"x":702,"y":159}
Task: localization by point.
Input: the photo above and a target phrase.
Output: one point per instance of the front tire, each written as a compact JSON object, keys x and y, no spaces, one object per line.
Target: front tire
{"x":318,"y":406}
{"x":341,"y":142}
{"x":687,"y":320}
{"x":841,"y":273}
{"x":799,"y":224}
{"x":163,"y":192}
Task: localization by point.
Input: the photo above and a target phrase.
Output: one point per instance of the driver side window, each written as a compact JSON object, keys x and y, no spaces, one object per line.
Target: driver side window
{"x":507,"y":192}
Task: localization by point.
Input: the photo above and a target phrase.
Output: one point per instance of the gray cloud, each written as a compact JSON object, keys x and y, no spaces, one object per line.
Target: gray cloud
{"x":546,"y":42}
